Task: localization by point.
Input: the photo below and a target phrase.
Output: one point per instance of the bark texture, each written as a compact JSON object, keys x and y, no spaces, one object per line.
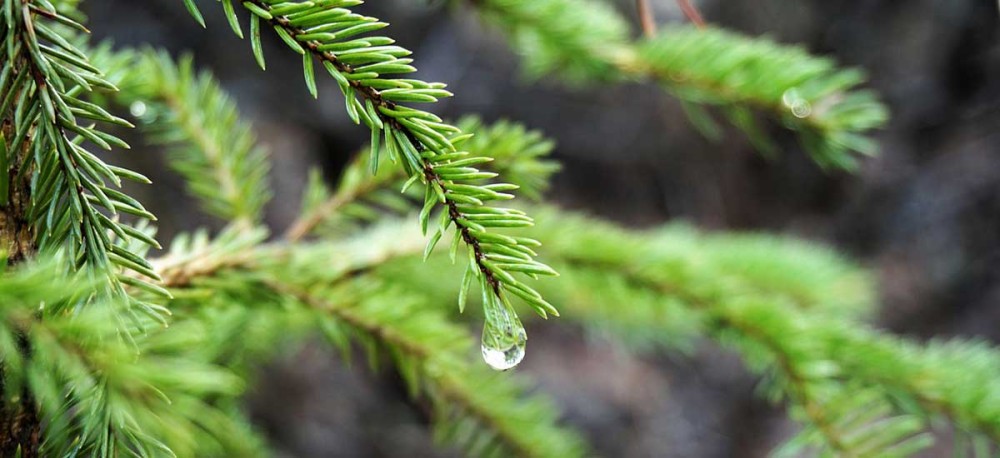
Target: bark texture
{"x":20,"y":426}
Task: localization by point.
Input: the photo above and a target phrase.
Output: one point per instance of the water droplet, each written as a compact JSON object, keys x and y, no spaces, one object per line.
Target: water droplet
{"x":138,"y":109}
{"x":801,"y":109}
{"x":799,"y":106}
{"x":503,"y":355}
{"x":504,"y":340}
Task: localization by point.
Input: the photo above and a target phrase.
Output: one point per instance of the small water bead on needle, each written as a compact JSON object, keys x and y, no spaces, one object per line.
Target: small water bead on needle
{"x":504,"y":338}
{"x":798,"y":105}
{"x":503,"y":349}
{"x":138,"y":109}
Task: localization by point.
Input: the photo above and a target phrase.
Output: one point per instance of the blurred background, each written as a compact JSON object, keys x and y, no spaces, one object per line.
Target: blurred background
{"x":924,"y":215}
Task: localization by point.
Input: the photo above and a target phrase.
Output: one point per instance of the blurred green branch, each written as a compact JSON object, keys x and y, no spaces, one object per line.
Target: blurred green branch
{"x":108,"y":381}
{"x":587,"y":41}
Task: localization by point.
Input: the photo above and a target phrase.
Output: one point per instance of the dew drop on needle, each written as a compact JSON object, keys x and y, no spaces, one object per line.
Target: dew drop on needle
{"x":504,"y":343}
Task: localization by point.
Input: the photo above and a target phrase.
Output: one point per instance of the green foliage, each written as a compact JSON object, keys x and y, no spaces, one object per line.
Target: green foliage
{"x":280,"y":295}
{"x":75,"y":201}
{"x":791,"y":310}
{"x":425,"y":147}
{"x":208,"y":144}
{"x":810,"y":95}
{"x":96,"y":397}
{"x":580,"y":42}
{"x":104,"y":386}
{"x":361,"y":197}
{"x":925,"y":378}
{"x":517,"y":154}
{"x":584,"y":40}
{"x":475,"y":409}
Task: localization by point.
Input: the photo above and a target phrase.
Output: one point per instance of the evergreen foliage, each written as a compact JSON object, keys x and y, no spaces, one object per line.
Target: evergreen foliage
{"x":585,"y":41}
{"x":90,"y":369}
{"x":426,"y":148}
{"x":207,"y":142}
{"x":791,"y":310}
{"x":74,"y":196}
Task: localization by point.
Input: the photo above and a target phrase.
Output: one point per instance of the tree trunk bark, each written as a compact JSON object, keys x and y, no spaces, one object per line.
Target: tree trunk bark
{"x":20,"y":426}
{"x":17,"y":237}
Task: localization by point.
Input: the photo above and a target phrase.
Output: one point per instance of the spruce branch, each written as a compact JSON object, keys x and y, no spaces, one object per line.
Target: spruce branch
{"x":728,"y":313}
{"x":426,"y":147}
{"x":424,"y":167}
{"x":926,"y":374}
{"x":207,"y":142}
{"x":843,"y":417}
{"x":691,"y":12}
{"x":513,"y":152}
{"x":791,"y":310}
{"x":808,"y":94}
{"x":813,"y":333}
{"x":255,"y":296}
{"x":94,"y":396}
{"x":483,"y":412}
{"x":796,"y":384}
{"x":431,"y":354}
{"x":701,"y":66}
{"x":74,"y":197}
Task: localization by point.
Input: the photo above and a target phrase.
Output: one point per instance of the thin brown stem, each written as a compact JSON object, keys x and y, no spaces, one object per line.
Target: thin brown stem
{"x":308,"y":222}
{"x":691,"y":12}
{"x":646,"y":19}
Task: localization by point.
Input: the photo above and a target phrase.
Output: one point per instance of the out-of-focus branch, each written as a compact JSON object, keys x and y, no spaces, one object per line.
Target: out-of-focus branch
{"x":691,"y":12}
{"x":646,"y":19}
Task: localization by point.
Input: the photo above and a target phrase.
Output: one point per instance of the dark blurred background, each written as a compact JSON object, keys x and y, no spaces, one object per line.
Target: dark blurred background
{"x":924,"y":215}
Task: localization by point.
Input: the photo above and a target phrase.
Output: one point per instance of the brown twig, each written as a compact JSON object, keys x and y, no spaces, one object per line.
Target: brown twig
{"x":646,"y":19}
{"x":691,"y":12}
